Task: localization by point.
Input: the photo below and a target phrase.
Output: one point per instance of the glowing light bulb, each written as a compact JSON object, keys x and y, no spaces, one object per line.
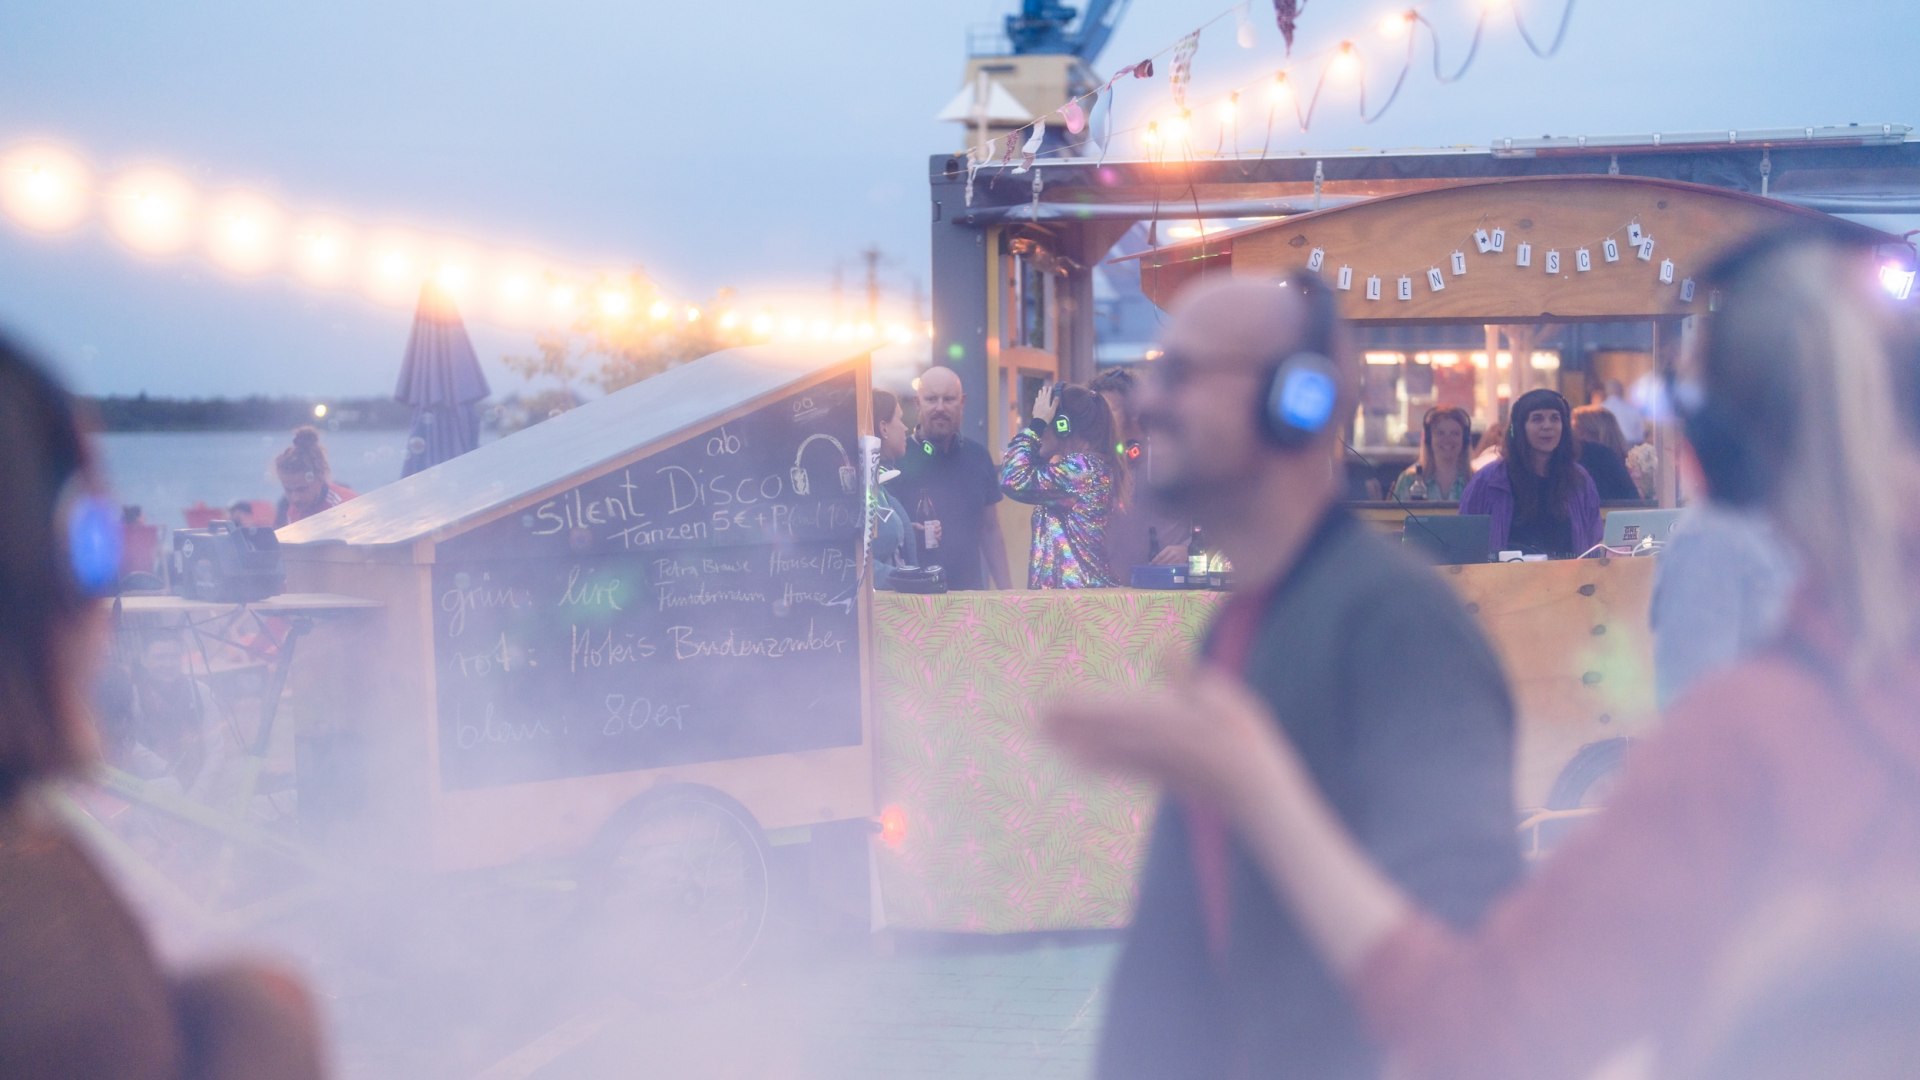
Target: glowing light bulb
{"x":515,"y":287}
{"x":693,"y":314}
{"x":864,"y":331}
{"x":152,"y":211}
{"x":898,"y":334}
{"x":1346,"y":61}
{"x":1281,"y":91}
{"x":320,"y":252}
{"x":821,"y":330}
{"x":615,"y":303}
{"x":729,"y":321}
{"x":43,"y":188}
{"x":1229,"y":108}
{"x":661,"y":311}
{"x":1151,"y":136}
{"x":762,"y":326}
{"x":793,"y":329}
{"x":1180,"y":127}
{"x":319,"y":412}
{"x":453,"y":277}
{"x":246,"y":233}
{"x":1398,"y":24}
{"x":562,"y":298}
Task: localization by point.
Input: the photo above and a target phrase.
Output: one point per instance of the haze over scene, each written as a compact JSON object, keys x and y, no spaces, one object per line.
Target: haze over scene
{"x":751,"y":145}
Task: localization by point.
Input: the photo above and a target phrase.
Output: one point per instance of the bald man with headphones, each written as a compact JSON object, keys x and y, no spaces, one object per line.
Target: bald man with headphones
{"x":1379,"y":676}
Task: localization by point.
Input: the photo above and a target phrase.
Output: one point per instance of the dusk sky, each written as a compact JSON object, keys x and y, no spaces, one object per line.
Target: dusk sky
{"x":750,"y":144}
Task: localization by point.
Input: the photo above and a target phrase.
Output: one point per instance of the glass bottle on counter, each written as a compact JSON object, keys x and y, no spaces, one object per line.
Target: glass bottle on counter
{"x":1196,"y":559}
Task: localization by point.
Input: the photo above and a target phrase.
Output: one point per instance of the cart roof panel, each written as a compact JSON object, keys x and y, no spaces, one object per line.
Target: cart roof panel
{"x":449,"y":498}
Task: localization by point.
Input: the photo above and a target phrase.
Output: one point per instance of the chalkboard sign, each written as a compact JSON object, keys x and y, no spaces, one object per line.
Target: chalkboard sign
{"x":697,"y":605}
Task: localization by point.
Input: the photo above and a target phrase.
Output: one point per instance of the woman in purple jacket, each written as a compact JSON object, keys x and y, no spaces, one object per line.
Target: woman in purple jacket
{"x":1541,"y":501}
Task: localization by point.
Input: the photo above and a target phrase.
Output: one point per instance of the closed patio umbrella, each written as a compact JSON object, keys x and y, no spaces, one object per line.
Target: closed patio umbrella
{"x":440,"y":377}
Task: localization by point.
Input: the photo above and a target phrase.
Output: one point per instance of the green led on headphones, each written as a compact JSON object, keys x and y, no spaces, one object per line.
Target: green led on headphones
{"x":1063,"y":424}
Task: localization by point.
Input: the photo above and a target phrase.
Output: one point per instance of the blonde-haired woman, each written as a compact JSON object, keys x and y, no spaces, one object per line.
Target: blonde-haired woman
{"x":1446,"y":457}
{"x":1797,"y":771}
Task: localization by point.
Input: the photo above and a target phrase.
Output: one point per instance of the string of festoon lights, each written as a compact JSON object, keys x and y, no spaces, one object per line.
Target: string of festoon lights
{"x":49,"y":190}
{"x":1282,"y":94}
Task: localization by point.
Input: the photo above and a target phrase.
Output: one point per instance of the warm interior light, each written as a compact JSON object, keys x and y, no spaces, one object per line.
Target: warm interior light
{"x":1545,"y":361}
{"x":1444,"y":359}
{"x":1385,"y":359}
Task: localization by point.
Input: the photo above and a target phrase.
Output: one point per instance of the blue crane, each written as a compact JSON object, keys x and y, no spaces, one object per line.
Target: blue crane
{"x":1041,"y":28}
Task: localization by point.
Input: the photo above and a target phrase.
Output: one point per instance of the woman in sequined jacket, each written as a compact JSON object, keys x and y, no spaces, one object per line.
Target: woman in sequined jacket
{"x":1062,"y":463}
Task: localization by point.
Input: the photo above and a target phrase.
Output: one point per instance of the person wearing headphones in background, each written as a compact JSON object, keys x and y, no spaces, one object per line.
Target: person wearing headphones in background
{"x":85,"y":995}
{"x":1783,"y":784}
{"x":893,"y":544}
{"x":1215,"y":978}
{"x":1446,"y":458}
{"x":1541,"y":501}
{"x":950,"y":484}
{"x":1062,"y":463}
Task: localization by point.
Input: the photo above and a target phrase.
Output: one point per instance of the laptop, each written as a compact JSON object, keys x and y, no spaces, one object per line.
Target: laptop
{"x":1629,"y":528}
{"x":1450,"y":539}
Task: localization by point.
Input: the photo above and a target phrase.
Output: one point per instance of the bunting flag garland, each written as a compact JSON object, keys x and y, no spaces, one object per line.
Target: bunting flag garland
{"x":1243,"y":30}
{"x":1031,"y":147}
{"x":1287,"y":14}
{"x":1075,"y":116}
{"x":1490,"y":240}
{"x":1182,"y":73}
{"x":1022,"y":147}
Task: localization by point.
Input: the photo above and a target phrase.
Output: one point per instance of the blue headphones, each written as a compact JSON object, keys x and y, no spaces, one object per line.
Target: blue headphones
{"x":1302,"y":388}
{"x":93,"y":537}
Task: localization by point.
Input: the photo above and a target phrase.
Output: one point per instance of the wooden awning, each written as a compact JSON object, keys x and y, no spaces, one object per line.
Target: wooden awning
{"x":1416,"y":237}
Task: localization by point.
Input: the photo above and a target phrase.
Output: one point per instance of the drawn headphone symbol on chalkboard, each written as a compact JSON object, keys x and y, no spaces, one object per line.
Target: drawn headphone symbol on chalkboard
{"x":803,"y":485}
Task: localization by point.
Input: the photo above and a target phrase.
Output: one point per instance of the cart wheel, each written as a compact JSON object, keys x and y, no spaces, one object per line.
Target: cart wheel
{"x":1589,"y":778}
{"x":678,"y":891}
{"x":1587,"y":781}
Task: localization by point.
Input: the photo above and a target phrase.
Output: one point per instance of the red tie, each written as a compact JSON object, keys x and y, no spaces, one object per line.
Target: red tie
{"x":1206,"y":827}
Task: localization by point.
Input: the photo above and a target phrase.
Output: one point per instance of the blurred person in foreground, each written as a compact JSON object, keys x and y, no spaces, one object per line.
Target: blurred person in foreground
{"x":306,"y":479}
{"x":1062,"y":463}
{"x":1795,"y":770}
{"x":1217,"y":978}
{"x":84,"y":995}
{"x":950,"y":484}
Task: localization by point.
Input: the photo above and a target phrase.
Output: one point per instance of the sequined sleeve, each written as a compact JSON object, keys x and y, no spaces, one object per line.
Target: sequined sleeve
{"x":1027,"y":478}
